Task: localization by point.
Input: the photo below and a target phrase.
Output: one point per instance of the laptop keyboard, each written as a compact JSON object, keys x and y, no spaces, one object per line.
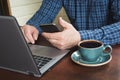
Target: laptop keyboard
{"x":41,"y":61}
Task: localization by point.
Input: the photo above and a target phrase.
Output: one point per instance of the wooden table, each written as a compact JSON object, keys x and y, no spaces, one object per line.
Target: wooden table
{"x":66,"y":69}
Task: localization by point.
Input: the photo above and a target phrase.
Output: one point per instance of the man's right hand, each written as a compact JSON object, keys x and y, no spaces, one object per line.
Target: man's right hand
{"x":30,"y":33}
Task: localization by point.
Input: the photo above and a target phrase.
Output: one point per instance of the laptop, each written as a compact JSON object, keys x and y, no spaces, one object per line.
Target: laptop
{"x":19,"y":56}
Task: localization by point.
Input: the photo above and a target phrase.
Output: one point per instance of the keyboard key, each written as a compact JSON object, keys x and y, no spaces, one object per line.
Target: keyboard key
{"x":41,"y":61}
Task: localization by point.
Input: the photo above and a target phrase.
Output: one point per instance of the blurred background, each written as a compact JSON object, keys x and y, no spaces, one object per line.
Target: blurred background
{"x":23,"y":10}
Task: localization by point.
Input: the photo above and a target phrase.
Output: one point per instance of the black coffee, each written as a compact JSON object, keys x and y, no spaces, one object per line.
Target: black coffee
{"x":90,"y":44}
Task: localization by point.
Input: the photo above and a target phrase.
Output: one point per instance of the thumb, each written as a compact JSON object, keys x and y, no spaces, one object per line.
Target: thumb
{"x":63,"y":23}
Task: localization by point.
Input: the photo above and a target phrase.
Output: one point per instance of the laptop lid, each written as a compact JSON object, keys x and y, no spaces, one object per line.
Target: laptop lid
{"x":16,"y":54}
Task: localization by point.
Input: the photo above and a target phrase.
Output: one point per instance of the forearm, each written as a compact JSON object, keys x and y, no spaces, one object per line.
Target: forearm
{"x":109,"y":34}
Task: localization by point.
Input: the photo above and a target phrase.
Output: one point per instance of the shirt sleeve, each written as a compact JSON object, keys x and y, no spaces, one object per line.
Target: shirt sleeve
{"x":46,"y":14}
{"x":109,"y":34}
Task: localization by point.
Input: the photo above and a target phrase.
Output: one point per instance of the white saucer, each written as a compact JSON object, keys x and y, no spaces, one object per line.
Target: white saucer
{"x":76,"y":57}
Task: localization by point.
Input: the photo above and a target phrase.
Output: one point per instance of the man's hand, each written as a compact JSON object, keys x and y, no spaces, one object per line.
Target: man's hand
{"x":30,"y":33}
{"x":66,"y":39}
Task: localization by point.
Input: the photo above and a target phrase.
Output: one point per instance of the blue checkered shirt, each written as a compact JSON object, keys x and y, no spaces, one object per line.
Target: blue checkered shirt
{"x":94,"y":19}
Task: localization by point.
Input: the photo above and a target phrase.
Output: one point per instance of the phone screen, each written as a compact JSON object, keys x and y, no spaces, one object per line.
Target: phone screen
{"x":49,"y":28}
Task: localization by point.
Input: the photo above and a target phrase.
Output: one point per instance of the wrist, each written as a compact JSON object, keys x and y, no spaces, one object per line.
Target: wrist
{"x":78,"y":38}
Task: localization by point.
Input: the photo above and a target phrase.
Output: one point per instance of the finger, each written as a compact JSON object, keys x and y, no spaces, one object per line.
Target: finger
{"x":58,"y":44}
{"x":64,"y":23}
{"x":25,"y":36}
{"x":54,"y":42}
{"x":35,"y":35}
{"x":29,"y":37}
{"x":51,"y":35}
{"x":27,"y":40}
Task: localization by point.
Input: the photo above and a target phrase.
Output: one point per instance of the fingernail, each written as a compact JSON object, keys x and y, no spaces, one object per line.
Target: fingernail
{"x":60,"y":18}
{"x":36,"y":38}
{"x":33,"y":42}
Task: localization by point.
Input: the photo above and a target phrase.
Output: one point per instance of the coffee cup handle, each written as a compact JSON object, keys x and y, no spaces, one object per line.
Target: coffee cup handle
{"x":107,"y":50}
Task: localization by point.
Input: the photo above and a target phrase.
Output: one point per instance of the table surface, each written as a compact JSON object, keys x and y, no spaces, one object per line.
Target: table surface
{"x":66,"y":69}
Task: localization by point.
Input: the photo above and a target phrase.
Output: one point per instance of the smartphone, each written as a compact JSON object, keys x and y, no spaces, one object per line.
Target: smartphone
{"x":49,"y":28}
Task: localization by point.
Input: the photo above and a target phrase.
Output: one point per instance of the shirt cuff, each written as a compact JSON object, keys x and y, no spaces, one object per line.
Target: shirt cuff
{"x":96,"y":34}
